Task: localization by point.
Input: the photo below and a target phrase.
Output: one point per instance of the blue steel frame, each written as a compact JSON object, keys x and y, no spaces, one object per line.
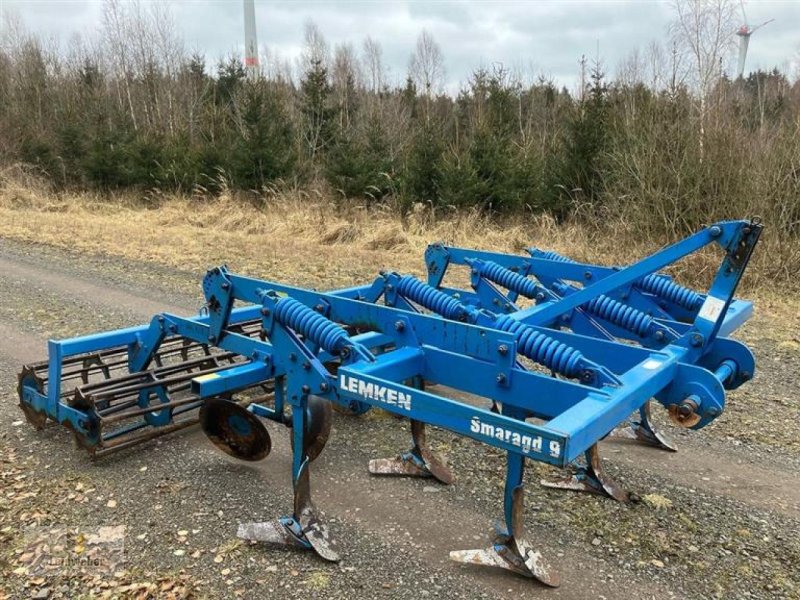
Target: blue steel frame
{"x":398,"y":347}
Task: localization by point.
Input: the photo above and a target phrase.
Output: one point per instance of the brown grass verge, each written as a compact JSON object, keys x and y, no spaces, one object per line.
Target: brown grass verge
{"x":307,"y":238}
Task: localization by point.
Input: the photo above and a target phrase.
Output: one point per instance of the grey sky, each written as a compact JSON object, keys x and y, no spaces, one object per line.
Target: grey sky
{"x":534,"y":37}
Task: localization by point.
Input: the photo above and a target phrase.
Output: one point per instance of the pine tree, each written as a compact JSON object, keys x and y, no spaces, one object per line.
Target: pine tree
{"x":318,"y":114}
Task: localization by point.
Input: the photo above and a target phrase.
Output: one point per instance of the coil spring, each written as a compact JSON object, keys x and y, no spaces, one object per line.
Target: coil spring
{"x":431,"y":298}
{"x":665,"y":288}
{"x":541,"y":348}
{"x":508,"y":279}
{"x":552,"y":255}
{"x":311,"y":325}
{"x":655,"y":284}
{"x":620,"y":314}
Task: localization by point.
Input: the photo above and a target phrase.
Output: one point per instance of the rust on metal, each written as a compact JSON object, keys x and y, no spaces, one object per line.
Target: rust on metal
{"x":591,"y":478}
{"x":235,"y":430}
{"x":420,"y":461}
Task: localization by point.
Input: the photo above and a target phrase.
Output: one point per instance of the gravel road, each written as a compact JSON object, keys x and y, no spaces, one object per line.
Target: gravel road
{"x":718,"y":519}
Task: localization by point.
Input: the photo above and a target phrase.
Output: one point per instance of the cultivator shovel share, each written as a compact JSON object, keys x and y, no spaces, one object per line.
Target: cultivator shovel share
{"x":539,"y":356}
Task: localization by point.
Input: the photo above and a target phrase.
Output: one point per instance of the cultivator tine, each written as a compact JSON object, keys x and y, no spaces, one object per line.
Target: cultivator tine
{"x":645,"y":431}
{"x":304,"y":529}
{"x":590,"y":477}
{"x":420,"y":461}
{"x":510,"y":550}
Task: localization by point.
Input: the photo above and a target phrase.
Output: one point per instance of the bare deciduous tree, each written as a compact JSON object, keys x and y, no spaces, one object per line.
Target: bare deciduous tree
{"x":426,"y":66}
{"x":372,"y":59}
{"x":704,"y":30}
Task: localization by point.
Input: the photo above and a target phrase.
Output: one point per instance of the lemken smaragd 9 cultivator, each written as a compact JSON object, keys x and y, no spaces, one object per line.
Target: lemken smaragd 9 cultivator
{"x":554,"y":355}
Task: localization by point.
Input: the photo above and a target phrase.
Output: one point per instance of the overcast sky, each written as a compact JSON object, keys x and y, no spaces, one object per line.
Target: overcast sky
{"x":534,"y":37}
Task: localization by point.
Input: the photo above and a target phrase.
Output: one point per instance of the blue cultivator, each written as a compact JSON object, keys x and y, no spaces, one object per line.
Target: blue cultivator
{"x":289,"y":354}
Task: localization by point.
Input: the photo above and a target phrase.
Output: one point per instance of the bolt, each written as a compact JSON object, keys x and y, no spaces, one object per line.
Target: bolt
{"x":685,"y":410}
{"x":746,"y":231}
{"x":306,"y":366}
{"x":587,"y":376}
{"x":474,"y":271}
{"x":212,"y":339}
{"x":659,"y":335}
{"x":324,"y":386}
{"x":226,"y":285}
{"x":625,"y":296}
{"x":565,"y":318}
{"x":496,"y":302}
{"x":696,"y":340}
{"x":715,"y":231}
{"x":390,"y":287}
{"x":746,"y":375}
{"x":587,"y":275}
{"x":265,"y":312}
{"x":500,"y":378}
{"x":292,"y":356}
{"x":305,"y":389}
{"x":713,"y":411}
{"x":319,"y":308}
{"x":399,"y":326}
{"x":502,"y":349}
{"x":540,"y":296}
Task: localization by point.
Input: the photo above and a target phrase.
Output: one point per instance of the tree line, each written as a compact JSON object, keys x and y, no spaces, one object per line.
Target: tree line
{"x":668,"y":143}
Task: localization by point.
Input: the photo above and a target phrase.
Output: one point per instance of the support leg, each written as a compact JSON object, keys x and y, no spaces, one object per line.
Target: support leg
{"x":645,"y":431}
{"x":510,"y":551}
{"x":420,"y":461}
{"x":590,"y":477}
{"x":304,"y":529}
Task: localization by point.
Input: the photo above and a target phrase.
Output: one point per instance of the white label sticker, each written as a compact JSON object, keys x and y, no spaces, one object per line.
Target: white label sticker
{"x":712,"y":308}
{"x":651,"y":364}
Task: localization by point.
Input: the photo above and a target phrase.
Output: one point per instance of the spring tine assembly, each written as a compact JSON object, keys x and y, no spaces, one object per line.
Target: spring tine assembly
{"x":589,"y":477}
{"x":552,"y":379}
{"x":644,"y":431}
{"x":420,"y":461}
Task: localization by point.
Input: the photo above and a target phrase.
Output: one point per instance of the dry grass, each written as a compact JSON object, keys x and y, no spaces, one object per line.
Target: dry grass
{"x":300,"y":237}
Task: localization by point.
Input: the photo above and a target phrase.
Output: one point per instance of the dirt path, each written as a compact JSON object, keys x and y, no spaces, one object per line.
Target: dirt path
{"x":396,"y":533}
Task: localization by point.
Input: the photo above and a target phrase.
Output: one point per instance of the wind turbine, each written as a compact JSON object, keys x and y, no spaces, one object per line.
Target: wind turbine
{"x":250,"y":42}
{"x":744,"y":32}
